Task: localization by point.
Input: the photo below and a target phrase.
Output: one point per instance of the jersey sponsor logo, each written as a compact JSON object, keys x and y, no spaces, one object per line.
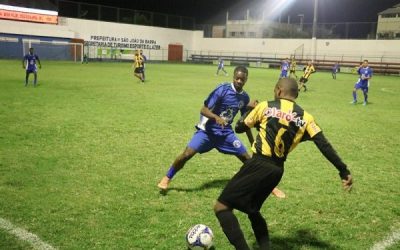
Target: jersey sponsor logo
{"x":289,"y":116}
{"x":227,"y":115}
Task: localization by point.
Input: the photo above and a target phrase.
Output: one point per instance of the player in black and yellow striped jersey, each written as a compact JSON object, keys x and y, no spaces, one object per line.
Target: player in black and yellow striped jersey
{"x":308,"y":70}
{"x":293,"y":66}
{"x":138,"y":65}
{"x":282,"y":125}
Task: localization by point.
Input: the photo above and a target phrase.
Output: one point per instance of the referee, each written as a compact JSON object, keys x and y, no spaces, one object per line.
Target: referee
{"x":282,"y":124}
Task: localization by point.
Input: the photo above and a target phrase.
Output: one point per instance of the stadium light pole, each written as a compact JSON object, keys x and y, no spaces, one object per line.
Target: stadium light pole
{"x":314,"y":32}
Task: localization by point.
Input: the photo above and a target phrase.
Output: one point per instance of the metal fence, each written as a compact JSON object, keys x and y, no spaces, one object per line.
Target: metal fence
{"x":94,"y":53}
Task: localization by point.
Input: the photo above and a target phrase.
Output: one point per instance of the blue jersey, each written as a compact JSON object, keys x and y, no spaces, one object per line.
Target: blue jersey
{"x":31,"y":61}
{"x":364,"y":73}
{"x":226,"y":102}
{"x":221,"y":64}
{"x":285,"y":66}
{"x":335,"y":68}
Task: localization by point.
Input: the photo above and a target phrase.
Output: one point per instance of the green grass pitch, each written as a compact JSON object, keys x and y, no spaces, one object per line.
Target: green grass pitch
{"x":81,"y":154}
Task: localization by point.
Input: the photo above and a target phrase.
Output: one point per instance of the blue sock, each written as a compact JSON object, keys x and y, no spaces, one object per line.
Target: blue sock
{"x":171,"y":172}
{"x":354,"y":96}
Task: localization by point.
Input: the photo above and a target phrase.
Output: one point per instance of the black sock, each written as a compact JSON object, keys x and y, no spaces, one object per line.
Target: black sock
{"x":260,"y":229}
{"x":230,"y":226}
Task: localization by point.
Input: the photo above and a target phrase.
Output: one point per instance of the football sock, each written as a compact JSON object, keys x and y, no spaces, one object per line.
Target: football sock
{"x":171,"y":172}
{"x":354,"y":95}
{"x":260,"y":230}
{"x":365,"y":97}
{"x":230,"y":226}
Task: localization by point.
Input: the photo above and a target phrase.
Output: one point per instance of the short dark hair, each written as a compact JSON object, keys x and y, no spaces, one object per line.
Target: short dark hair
{"x":290,"y":86}
{"x":242,"y":69}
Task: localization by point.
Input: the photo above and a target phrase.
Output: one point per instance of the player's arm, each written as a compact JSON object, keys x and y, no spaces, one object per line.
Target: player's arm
{"x":210,"y":115}
{"x":23,"y":63}
{"x":38,"y":60}
{"x":250,"y":118}
{"x":330,"y":154}
{"x":241,"y":126}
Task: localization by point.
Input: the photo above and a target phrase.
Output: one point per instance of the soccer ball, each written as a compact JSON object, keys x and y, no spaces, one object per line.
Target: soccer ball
{"x":199,"y":237}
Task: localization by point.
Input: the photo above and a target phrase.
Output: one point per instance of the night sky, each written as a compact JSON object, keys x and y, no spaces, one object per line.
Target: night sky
{"x":214,"y":11}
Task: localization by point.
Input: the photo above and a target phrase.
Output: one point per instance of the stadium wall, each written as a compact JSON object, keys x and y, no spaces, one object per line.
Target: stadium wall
{"x":155,"y":40}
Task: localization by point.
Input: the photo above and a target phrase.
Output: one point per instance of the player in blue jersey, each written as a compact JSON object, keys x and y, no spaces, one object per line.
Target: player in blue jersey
{"x":29,"y":64}
{"x":214,"y":129}
{"x":365,"y":73}
{"x":285,"y":65}
{"x":335,"y":70}
{"x":221,"y":67}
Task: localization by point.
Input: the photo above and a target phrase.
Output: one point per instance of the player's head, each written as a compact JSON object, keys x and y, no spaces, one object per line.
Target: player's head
{"x":286,"y":88}
{"x":31,"y":50}
{"x":240,"y":75}
{"x":141,"y":52}
{"x":365,"y":63}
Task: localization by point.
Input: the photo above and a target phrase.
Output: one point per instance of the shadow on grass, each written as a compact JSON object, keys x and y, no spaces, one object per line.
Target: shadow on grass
{"x":299,"y":239}
{"x":207,"y":185}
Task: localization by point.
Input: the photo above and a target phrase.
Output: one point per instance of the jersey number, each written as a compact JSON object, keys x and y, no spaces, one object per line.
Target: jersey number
{"x":279,"y":148}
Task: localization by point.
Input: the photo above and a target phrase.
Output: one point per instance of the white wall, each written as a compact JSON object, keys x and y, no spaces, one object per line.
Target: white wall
{"x":194,"y":42}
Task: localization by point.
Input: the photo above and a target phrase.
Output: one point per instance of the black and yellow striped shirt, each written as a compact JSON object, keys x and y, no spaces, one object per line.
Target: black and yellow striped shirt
{"x":308,"y":70}
{"x":282,"y":126}
{"x":138,"y":61}
{"x":293,"y":65}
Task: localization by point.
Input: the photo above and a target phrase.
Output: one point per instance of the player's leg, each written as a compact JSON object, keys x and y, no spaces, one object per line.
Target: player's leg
{"x":176,"y":166}
{"x":356,"y":87}
{"x":365,"y":92}
{"x":230,"y":226}
{"x":34,"y":79}
{"x":200,"y":143}
{"x":226,"y":73}
{"x":271,"y":176}
{"x":301,"y":83}
{"x":260,"y":229}
{"x":223,"y":208}
{"x":26,"y":78}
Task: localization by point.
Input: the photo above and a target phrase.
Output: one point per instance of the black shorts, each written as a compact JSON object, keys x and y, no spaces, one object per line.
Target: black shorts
{"x":250,"y":187}
{"x":303,"y":80}
{"x":292,"y":71}
{"x":139,"y":70}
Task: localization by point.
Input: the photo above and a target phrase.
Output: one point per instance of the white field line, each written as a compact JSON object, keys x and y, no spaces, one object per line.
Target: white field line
{"x":387,"y":90}
{"x":24,"y":235}
{"x":390,"y":240}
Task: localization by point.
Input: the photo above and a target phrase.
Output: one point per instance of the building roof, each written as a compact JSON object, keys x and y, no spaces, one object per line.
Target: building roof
{"x":394,"y":10}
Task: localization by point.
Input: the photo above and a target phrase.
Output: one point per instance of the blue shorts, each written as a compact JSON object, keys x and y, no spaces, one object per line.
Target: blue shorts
{"x":361,"y":86}
{"x":283,"y":74}
{"x":203,"y":142}
{"x":31,"y":70}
